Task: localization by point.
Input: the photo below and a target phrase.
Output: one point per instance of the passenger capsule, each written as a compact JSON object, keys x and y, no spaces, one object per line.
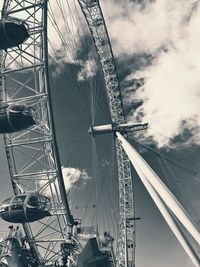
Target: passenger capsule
{"x":25,"y":208}
{"x":12,"y":33}
{"x":16,"y":118}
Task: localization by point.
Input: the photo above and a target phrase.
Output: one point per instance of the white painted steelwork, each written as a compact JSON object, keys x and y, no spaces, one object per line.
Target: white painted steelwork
{"x":162,"y":196}
{"x":126,"y":238}
{"x":110,"y":128}
{"x":32,"y":154}
{"x":169,"y":218}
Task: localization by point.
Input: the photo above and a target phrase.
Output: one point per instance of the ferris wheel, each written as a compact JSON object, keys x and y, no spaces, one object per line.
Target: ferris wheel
{"x":62,"y":120}
{"x":51,"y":235}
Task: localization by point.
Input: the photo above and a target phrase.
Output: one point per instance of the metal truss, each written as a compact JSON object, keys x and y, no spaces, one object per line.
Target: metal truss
{"x":126,"y":240}
{"x":32,"y":154}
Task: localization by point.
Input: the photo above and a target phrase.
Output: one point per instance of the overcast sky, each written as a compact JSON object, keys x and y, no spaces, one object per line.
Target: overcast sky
{"x":165,"y":36}
{"x":158,"y":43}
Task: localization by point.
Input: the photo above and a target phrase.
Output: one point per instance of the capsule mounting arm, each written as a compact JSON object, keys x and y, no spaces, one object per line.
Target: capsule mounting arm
{"x":123,"y":128}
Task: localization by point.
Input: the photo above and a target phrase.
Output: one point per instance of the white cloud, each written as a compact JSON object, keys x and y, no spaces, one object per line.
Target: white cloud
{"x":88,"y":70}
{"x":134,"y":29}
{"x":71,"y":177}
{"x":66,"y":32}
{"x":171,"y":95}
{"x":63,"y":32}
{"x":169,"y":31}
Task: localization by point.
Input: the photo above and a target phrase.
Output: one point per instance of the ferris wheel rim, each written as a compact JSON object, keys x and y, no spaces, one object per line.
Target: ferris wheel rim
{"x":95,"y":20}
{"x":13,"y":170}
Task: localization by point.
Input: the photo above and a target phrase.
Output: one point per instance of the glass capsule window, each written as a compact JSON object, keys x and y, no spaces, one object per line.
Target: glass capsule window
{"x":18,"y":202}
{"x":39,"y":202}
{"x":5,"y":205}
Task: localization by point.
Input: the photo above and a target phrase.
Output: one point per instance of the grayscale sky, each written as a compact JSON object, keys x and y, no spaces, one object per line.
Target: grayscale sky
{"x":156,"y":44}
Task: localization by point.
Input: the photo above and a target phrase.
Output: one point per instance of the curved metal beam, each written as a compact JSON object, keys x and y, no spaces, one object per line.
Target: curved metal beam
{"x":126,"y":239}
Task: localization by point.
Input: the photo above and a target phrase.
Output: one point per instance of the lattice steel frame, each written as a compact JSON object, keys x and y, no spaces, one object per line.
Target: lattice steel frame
{"x":126,"y":239}
{"x":32,"y":154}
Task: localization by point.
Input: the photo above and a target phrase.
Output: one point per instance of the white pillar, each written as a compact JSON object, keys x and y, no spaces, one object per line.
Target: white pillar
{"x":169,"y":219}
{"x":161,"y":188}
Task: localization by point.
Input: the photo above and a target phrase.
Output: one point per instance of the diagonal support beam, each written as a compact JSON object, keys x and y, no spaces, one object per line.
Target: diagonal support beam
{"x":169,"y":218}
{"x":161,"y":188}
